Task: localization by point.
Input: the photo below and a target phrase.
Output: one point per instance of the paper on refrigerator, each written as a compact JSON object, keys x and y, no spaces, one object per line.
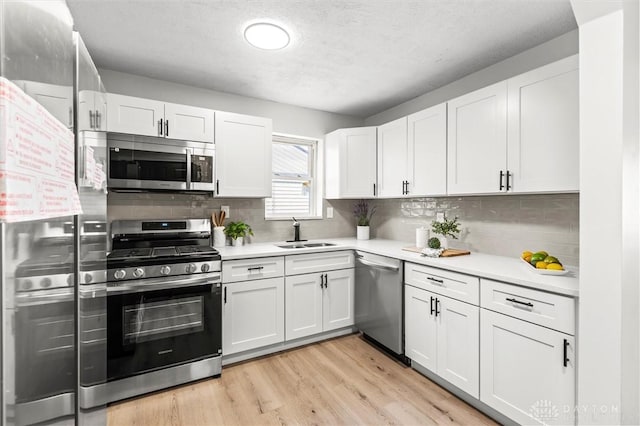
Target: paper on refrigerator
{"x":37,"y":166}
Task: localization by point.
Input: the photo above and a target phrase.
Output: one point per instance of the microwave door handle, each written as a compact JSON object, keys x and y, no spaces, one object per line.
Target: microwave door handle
{"x":188,"y":152}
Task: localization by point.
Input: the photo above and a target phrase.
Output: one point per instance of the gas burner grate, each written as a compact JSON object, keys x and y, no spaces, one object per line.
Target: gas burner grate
{"x":196,"y":249}
{"x":164,"y":251}
{"x":130,"y":253}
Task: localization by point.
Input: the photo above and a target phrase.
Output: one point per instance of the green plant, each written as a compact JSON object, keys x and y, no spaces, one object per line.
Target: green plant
{"x":434,"y":243}
{"x":235,"y":230}
{"x":363,"y":213}
{"x":446,"y":228}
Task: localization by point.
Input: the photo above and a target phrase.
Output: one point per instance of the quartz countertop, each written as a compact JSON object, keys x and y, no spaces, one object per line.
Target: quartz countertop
{"x":500,"y":268}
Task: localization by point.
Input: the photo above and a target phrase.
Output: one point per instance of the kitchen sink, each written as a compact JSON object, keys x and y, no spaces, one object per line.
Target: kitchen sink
{"x":304,"y":245}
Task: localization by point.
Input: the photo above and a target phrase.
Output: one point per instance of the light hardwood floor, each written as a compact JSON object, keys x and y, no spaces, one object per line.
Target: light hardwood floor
{"x":343,"y":381}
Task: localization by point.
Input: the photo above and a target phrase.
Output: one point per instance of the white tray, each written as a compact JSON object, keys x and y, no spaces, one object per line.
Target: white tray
{"x":543,"y":271}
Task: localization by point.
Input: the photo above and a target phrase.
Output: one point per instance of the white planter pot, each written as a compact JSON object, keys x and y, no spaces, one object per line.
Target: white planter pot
{"x":362,"y":233}
{"x":237,"y":242}
{"x":444,"y":242}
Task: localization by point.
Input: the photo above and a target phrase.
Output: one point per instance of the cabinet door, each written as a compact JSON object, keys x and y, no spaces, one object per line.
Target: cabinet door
{"x":100,"y":105}
{"x":420,"y":327}
{"x":523,"y":372}
{"x":56,"y":99}
{"x":458,"y":344}
{"x":253,"y":314}
{"x":427,"y":142}
{"x":243,"y":155}
{"x":86,"y":110}
{"x":189,"y":123}
{"x":135,"y":116}
{"x":303,"y":307}
{"x":544,"y":142}
{"x":350,"y":163}
{"x":392,"y":158}
{"x":477,"y":145}
{"x":337,"y":301}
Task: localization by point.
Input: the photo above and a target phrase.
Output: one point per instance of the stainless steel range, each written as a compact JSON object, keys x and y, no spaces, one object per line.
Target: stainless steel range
{"x":164,"y":315}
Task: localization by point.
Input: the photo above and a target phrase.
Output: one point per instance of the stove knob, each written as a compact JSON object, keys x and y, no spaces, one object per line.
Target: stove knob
{"x":70,"y":280}
{"x":191,"y":268}
{"x":88,"y":278}
{"x":139,"y":272}
{"x":26,"y":284}
{"x":165,"y":270}
{"x":119,"y":274}
{"x":45,"y":282}
{"x":205,"y":267}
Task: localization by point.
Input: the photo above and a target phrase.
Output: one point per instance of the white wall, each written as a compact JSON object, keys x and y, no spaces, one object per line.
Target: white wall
{"x":553,"y":50}
{"x":608,"y":363}
{"x":286,"y":118}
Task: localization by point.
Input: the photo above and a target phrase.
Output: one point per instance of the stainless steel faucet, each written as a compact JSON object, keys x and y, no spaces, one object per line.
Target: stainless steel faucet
{"x":296,"y":231}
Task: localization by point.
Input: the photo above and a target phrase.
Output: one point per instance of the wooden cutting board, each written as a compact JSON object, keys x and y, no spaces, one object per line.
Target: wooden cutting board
{"x":446,"y":253}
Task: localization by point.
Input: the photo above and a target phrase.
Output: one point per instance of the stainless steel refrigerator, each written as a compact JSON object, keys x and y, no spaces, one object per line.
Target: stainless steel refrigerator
{"x":53,"y":271}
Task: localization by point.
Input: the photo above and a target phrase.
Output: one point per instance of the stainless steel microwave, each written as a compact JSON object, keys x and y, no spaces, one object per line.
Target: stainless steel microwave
{"x":144,"y":163}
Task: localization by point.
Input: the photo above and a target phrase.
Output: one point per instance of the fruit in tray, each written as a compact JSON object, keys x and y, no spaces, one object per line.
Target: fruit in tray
{"x":542,"y":260}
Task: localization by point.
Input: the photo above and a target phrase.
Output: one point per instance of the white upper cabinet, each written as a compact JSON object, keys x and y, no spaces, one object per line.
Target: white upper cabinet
{"x":543,"y":139}
{"x":427,"y":156}
{"x":393,"y":154}
{"x":243,"y":155}
{"x":138,"y":116}
{"x":519,"y":135}
{"x":350,"y":163}
{"x":477,"y":141}
{"x":188,"y":123}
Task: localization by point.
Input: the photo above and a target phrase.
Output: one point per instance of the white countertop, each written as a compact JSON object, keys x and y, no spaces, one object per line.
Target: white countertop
{"x":507,"y":269}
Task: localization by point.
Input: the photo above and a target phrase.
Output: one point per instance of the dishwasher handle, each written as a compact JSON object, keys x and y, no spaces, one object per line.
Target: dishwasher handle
{"x":377,"y":265}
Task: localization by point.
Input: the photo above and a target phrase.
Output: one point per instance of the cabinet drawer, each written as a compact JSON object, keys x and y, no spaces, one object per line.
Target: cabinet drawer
{"x":252,"y":269}
{"x":546,"y":309}
{"x":317,"y":262}
{"x":457,"y":286}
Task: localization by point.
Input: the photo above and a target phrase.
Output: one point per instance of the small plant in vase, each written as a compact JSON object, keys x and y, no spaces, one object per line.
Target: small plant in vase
{"x":363,"y":213}
{"x":446,"y":228}
{"x":237,"y":231}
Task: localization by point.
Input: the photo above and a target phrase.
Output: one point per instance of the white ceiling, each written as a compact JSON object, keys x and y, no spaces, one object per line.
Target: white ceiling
{"x":350,"y":57}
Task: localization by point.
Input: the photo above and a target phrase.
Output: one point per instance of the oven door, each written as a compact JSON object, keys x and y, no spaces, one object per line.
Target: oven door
{"x":150,"y":327}
{"x":184,"y":167}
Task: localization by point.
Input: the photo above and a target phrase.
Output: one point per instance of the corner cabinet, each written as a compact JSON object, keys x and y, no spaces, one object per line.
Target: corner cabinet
{"x":517,"y":136}
{"x":147,"y":117}
{"x":243,"y":155}
{"x":350,"y":163}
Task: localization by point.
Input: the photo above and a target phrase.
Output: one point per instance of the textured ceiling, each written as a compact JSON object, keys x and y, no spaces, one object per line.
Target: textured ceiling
{"x":350,"y":57}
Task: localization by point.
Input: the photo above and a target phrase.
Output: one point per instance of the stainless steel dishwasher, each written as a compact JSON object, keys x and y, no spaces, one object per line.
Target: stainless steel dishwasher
{"x":379,"y":301}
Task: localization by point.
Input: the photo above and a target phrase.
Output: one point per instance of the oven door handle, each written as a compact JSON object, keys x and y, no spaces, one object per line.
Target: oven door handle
{"x":189,"y":152}
{"x":138,"y":286}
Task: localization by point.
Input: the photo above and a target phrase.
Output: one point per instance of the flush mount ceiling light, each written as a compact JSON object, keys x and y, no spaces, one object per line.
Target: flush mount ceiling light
{"x":266,"y":36}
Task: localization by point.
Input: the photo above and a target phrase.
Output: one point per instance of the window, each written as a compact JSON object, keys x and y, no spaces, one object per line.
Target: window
{"x":295,"y":190}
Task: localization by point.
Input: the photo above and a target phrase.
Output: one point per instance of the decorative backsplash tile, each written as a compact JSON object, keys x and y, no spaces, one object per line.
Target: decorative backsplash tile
{"x":501,"y":224}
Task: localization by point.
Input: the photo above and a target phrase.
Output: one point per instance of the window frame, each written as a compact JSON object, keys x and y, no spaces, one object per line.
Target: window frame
{"x":315,"y":175}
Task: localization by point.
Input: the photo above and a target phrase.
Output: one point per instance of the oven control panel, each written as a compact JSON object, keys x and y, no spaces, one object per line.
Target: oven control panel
{"x":154,"y":271}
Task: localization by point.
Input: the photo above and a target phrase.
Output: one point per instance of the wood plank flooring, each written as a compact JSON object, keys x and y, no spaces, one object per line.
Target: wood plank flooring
{"x":343,"y":381}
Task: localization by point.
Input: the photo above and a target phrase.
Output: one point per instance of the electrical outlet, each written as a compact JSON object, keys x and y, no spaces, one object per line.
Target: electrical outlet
{"x":440,"y":216}
{"x":225,"y":209}
{"x":329,"y":212}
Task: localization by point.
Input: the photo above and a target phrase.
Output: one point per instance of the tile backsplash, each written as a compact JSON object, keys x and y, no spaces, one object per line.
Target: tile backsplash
{"x":251,"y":211}
{"x":501,"y":224}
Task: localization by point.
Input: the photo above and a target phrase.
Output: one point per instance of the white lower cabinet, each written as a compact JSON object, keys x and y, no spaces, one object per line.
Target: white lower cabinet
{"x":253,"y":314}
{"x":442,"y":335}
{"x":319,"y":302}
{"x":528,"y":371}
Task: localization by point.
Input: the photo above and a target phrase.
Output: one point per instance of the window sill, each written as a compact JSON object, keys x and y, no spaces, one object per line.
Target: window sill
{"x":290,"y":219}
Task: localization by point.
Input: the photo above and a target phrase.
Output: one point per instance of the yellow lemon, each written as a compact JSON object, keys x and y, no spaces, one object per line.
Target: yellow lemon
{"x":555,"y":266}
{"x":526,"y":254}
{"x":528,"y":258}
{"x":541,"y":265}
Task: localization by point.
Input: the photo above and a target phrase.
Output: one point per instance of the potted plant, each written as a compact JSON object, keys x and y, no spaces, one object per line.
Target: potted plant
{"x":446,"y":228}
{"x":363,"y":213}
{"x":237,"y":231}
